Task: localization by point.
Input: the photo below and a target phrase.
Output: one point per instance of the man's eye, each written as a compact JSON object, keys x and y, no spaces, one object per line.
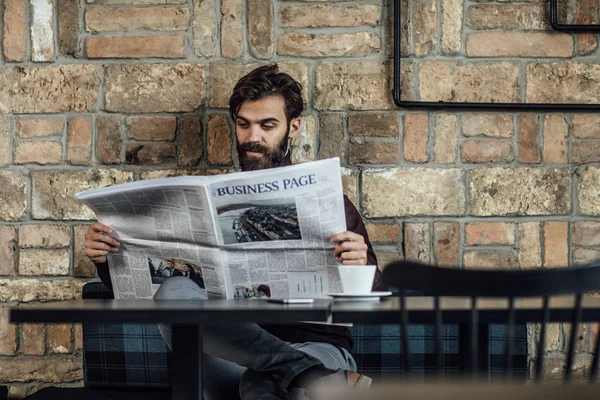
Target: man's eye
{"x":242,"y":125}
{"x":268,"y":127}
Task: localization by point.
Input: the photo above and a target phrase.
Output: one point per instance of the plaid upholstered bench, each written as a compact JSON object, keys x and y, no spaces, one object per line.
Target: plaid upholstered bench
{"x":134,"y":356}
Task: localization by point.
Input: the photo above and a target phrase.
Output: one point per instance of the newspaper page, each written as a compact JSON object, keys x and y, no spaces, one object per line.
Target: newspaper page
{"x":243,"y":235}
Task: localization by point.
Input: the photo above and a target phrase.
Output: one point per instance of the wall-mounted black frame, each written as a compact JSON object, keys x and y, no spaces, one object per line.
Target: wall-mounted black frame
{"x":465,"y":106}
{"x":566,"y":27}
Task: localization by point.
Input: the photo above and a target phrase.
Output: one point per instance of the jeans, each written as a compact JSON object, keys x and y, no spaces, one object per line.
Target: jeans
{"x":246,"y":359}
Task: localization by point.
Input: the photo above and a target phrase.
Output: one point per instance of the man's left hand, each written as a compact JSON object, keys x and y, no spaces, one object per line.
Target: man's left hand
{"x":351,"y":248}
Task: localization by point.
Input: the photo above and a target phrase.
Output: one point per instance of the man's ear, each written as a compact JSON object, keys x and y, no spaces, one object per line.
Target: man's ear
{"x":295,"y":125}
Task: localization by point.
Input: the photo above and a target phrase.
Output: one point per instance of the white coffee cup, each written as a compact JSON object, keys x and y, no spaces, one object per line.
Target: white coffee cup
{"x":357,"y":279}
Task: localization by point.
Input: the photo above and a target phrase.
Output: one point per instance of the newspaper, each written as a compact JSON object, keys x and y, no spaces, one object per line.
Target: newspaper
{"x":250,"y":234}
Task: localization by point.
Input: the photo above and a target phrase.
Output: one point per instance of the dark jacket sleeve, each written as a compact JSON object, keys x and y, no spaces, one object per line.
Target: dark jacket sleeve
{"x":104,"y":276}
{"x":354,"y":223}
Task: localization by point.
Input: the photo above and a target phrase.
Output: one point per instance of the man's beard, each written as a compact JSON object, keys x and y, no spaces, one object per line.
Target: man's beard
{"x":270,"y":159}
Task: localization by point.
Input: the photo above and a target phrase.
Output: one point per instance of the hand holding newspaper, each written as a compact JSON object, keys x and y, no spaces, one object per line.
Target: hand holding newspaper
{"x":243,"y":235}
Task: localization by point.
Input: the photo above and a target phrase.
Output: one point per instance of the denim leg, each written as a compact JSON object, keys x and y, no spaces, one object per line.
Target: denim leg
{"x":247,"y":345}
{"x":221,"y":379}
{"x":256,"y":385}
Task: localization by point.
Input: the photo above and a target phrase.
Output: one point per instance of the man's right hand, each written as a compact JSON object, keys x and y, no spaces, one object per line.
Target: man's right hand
{"x":98,"y":243}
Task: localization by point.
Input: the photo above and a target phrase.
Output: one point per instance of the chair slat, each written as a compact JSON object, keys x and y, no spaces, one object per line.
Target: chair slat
{"x":439,"y":350}
{"x":474,"y":338}
{"x":510,"y":333}
{"x":404,"y":334}
{"x":573,"y":339}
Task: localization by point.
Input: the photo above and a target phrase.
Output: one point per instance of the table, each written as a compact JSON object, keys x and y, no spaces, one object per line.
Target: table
{"x":187,"y":318}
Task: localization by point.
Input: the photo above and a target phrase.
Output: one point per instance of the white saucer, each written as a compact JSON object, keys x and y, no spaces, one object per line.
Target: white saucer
{"x":373,"y":296}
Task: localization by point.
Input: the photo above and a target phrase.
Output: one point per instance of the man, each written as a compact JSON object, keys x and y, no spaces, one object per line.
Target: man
{"x":269,"y":361}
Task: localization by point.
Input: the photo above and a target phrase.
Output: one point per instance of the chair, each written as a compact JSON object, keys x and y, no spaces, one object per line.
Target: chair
{"x":509,"y":284}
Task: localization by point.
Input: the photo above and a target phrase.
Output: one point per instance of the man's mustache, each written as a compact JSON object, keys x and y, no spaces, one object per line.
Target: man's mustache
{"x":253,"y":148}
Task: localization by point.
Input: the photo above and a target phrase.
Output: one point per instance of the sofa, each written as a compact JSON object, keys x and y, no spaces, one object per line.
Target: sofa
{"x":126,"y":360}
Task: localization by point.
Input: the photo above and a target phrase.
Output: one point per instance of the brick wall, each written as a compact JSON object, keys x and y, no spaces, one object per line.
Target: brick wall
{"x":97,"y":92}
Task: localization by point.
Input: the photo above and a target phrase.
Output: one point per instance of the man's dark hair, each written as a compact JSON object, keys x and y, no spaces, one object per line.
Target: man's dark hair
{"x":264,"y":82}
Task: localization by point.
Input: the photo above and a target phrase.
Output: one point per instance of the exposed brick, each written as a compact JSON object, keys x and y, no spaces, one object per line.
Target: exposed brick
{"x":260,"y":28}
{"x":31,"y":128}
{"x":136,"y":46}
{"x":224,"y":76}
{"x":152,"y":128}
{"x":190,"y":141}
{"x":555,"y":365}
{"x":8,"y":333}
{"x":232,"y":28}
{"x":169,"y":173}
{"x":108,"y":140}
{"x":33,"y":339}
{"x":489,"y":259}
{"x":588,"y":190}
{"x":53,"y":194}
{"x":562,"y":82}
{"x":416,"y":137}
{"x":373,"y":124}
{"x":585,"y":255}
{"x":556,"y":132}
{"x":337,"y":45}
{"x":416,"y":242}
{"x":44,"y":236}
{"x":150,"y":153}
{"x":384,"y":233}
{"x":149,"y":88}
{"x":586,"y":152}
{"x":490,"y":125}
{"x":303,"y":146}
{"x":519,"y":44}
{"x":60,"y":338}
{"x":588,"y":13}
{"x":5,"y":141}
{"x":445,"y":141}
{"x":133,"y":19}
{"x":69,"y":87}
{"x":508,"y":17}
{"x":366,"y":85}
{"x":452,"y":17}
{"x":68,"y":26}
{"x":350,"y":184}
{"x":386,"y":256}
{"x":204,"y":28}
{"x":425,"y":26}
{"x":39,"y":152}
{"x":219,"y":140}
{"x":530,"y":248}
{"x":556,"y":244}
{"x":328,"y":15}
{"x":42,"y":32}
{"x":13,"y":192}
{"x":520,"y":191}
{"x":8,"y":243}
{"x":136,"y":2}
{"x":580,"y":340}
{"x":446,"y":245}
{"x":469,"y":82}
{"x":39,"y":290}
{"x":586,"y":126}
{"x":78,"y":337}
{"x":552,"y":336}
{"x":56,"y":369}
{"x":44,"y":262}
{"x":14,"y":39}
{"x":364,"y":152}
{"x":529,"y":147}
{"x":79,"y":144}
{"x":384,"y":192}
{"x":483,"y":151}
{"x":490,"y":233}
{"x":82,"y":265}
{"x":586,"y":233}
{"x":331,"y":135}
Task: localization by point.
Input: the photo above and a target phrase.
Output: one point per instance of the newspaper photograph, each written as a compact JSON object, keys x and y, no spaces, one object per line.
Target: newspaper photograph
{"x":245,"y":235}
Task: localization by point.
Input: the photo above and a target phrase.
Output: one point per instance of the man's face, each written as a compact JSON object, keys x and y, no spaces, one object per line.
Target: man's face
{"x":263,"y":132}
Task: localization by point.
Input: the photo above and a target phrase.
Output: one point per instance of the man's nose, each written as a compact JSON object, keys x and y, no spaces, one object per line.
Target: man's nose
{"x":255,"y":133}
